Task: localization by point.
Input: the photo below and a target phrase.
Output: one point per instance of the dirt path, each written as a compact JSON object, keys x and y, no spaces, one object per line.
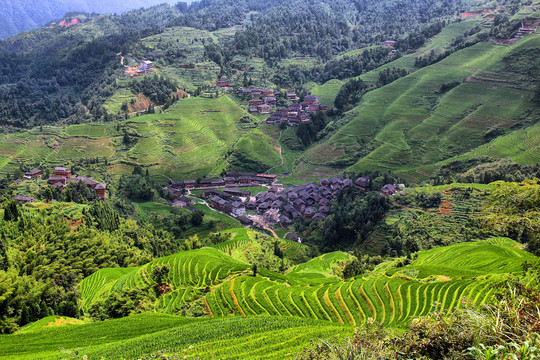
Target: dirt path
{"x":280,"y":152}
{"x":272,"y":231}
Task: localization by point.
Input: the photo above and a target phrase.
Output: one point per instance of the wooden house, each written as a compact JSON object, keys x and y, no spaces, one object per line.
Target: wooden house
{"x":33,"y":174}
{"x":323,"y":107}
{"x":263,"y":109}
{"x":311,"y":100}
{"x":255,"y":102}
{"x":389,"y":43}
{"x":62,"y":171}
{"x":268,"y":92}
{"x":270,"y":100}
{"x":388,"y":190}
{"x":189,"y":184}
{"x":23,"y":199}
{"x":312,"y":108}
{"x":101,"y":190}
{"x":57,"y":180}
{"x":223,"y":83}
{"x":362,"y":183}
{"x":292,"y":96}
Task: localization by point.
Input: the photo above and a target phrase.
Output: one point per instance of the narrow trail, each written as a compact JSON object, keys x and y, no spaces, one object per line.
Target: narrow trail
{"x":272,"y":231}
{"x":280,"y":153}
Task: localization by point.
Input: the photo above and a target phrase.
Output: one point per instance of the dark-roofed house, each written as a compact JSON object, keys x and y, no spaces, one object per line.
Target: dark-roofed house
{"x":311,"y":100}
{"x":268,"y":92}
{"x":229,"y":180}
{"x":324,"y":209}
{"x":255,"y":102}
{"x":32,"y":174}
{"x":62,"y":171}
{"x":388,"y":190}
{"x":190,"y":184}
{"x":270,"y":100}
{"x":237,"y":192}
{"x":325,"y":182}
{"x":309,"y":212}
{"x":91,"y":183}
{"x":223,"y":83}
{"x":318,"y":217}
{"x":362,"y":183}
{"x":101,"y":190}
{"x":57,"y":180}
{"x":284,"y":221}
{"x":292,"y":96}
{"x":288,"y":209}
{"x":177,"y":185}
{"x":238,"y":209}
{"x":264,"y":207}
{"x":299,"y":204}
{"x":296,"y":215}
{"x":23,"y":199}
{"x":244,"y":220}
{"x":263,"y":108}
{"x":251,"y":205}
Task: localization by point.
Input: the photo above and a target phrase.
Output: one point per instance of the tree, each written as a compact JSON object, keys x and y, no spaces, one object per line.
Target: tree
{"x":513,"y":211}
{"x":254,"y":268}
{"x":11,"y":210}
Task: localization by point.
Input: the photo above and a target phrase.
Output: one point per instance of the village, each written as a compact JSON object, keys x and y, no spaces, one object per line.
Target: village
{"x":277,"y":205}
{"x":262,"y":101}
{"x":62,"y":176}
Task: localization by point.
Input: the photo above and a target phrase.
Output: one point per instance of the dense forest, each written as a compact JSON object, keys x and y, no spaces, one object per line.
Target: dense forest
{"x":65,"y":75}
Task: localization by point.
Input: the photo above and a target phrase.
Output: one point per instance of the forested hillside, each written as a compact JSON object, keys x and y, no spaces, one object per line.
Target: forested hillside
{"x":23,"y":15}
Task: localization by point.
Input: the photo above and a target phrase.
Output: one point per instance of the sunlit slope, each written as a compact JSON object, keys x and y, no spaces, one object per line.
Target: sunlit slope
{"x":409,"y":123}
{"x":440,"y":278}
{"x":145,"y":334}
{"x":189,"y":140}
{"x":189,"y":273}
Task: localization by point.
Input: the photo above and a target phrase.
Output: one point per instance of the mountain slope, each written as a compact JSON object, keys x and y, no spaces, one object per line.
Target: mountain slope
{"x":411,"y":123}
{"x":24,"y":15}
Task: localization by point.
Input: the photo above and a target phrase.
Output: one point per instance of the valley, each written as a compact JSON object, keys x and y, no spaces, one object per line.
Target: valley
{"x":273,"y":180}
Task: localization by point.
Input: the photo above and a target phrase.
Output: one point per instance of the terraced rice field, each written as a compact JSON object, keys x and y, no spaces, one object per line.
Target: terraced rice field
{"x":445,"y":277}
{"x":389,"y":301}
{"x":412,"y":126}
{"x":189,"y":271}
{"x":145,"y":334}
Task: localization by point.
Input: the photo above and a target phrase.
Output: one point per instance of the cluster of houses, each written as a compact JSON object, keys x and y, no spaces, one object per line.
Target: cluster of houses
{"x":261,"y":101}
{"x":282,"y":205}
{"x":62,"y":176}
{"x":277,"y":205}
{"x":297,"y":113}
{"x":232,"y":179}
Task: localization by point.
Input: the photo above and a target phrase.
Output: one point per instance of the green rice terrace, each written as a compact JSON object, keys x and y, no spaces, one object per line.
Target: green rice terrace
{"x":412,"y":128}
{"x":190,"y":139}
{"x":245,"y":315}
